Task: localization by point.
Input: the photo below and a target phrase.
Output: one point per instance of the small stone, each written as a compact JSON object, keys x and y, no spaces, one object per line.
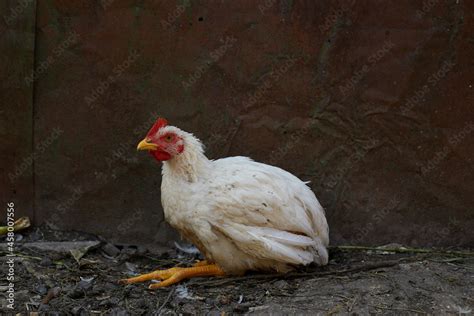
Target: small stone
{"x":282,"y":284}
{"x":131,"y":267}
{"x":110,"y":250}
{"x":41,"y":289}
{"x":84,"y":285}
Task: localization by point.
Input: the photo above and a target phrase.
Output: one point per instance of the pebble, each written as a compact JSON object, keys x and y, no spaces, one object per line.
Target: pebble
{"x":282,"y":284}
{"x":131,"y":267}
{"x":110,"y":250}
{"x":84,"y":285}
{"x":41,"y":289}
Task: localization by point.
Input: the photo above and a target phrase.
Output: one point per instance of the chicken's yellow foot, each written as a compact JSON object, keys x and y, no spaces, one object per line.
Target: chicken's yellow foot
{"x":155,"y":275}
{"x":175,"y":275}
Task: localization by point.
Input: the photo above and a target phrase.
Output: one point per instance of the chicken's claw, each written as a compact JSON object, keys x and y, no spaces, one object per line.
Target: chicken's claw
{"x":155,"y":275}
{"x":175,"y":275}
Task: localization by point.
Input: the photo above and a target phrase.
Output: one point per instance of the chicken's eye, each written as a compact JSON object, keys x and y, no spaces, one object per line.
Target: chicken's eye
{"x":168,"y":138}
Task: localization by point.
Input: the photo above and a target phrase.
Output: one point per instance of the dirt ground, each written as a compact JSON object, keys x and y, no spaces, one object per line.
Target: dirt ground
{"x":356,"y":282}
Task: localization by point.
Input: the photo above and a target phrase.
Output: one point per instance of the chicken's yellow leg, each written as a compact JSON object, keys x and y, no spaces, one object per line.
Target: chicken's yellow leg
{"x":174,"y":275}
{"x":155,"y":275}
{"x":187,"y":273}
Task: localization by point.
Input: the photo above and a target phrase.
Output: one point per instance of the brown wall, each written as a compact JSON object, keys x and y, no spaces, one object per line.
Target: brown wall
{"x":17,"y":42}
{"x":370,"y":100}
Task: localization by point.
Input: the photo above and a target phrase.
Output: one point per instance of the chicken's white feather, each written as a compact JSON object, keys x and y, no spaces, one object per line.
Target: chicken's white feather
{"x":242,"y":214}
{"x":283,"y":236}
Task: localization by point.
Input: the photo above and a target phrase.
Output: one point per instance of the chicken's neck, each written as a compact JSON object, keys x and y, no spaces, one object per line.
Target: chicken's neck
{"x":191,"y":164}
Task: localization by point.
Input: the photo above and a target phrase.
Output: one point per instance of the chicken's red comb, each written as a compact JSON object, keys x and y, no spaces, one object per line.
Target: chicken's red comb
{"x":160,"y":122}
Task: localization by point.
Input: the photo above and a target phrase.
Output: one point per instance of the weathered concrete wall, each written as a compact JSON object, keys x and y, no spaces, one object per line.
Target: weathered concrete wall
{"x":371,"y":101}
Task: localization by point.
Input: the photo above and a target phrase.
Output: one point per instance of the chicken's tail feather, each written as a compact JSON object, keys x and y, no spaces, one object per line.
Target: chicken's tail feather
{"x":301,"y":247}
{"x":320,"y":253}
{"x":278,"y":245}
{"x":284,"y":237}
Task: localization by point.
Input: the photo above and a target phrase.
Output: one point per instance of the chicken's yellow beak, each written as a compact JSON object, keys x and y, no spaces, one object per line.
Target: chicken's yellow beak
{"x":146,"y":145}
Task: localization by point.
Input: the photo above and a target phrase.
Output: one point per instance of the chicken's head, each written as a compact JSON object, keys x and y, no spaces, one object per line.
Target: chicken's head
{"x":162,"y":141}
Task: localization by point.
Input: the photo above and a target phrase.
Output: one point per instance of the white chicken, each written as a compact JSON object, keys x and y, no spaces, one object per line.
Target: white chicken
{"x":242,"y":215}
